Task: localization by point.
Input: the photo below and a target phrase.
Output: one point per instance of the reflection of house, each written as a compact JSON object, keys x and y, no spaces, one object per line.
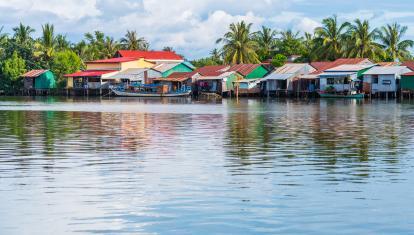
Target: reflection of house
{"x":343,"y":78}
{"x":39,"y":80}
{"x":383,"y":79}
{"x":282,"y":78}
{"x":168,"y":68}
{"x":178,"y":81}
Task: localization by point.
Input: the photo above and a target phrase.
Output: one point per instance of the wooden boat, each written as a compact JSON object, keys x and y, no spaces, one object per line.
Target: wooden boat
{"x":343,"y":96}
{"x":150,"y":91}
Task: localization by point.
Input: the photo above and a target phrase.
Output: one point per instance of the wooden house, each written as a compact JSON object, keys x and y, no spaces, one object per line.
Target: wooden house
{"x":343,"y":78}
{"x":282,"y":79}
{"x":179,"y":81}
{"x":39,"y":80}
{"x":251,"y":73}
{"x":407,"y":82}
{"x":383,"y":79}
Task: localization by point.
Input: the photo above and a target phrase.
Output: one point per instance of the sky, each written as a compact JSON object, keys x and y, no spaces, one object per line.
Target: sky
{"x":191,"y":27}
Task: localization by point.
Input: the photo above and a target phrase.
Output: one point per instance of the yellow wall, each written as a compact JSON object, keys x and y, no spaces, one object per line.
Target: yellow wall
{"x":141,"y":63}
{"x":69,"y":82}
{"x":103,"y":66}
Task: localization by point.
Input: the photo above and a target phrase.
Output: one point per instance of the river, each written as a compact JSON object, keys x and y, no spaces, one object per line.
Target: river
{"x":177,"y":166}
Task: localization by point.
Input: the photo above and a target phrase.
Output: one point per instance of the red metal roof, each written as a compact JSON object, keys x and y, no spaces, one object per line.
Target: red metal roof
{"x":409,"y":74}
{"x":320,"y":64}
{"x":90,"y":73}
{"x":113,"y":60}
{"x":409,"y":64}
{"x":181,"y":74}
{"x":212,"y":70}
{"x":34,"y":73}
{"x":244,"y":69}
{"x":150,"y":55}
{"x":338,"y":62}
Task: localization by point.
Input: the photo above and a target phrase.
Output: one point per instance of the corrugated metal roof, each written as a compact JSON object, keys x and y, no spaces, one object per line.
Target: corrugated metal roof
{"x":150,"y":55}
{"x":409,"y":64}
{"x":128,"y":73}
{"x":218,"y":77}
{"x":388,"y":70}
{"x":291,"y":68}
{"x":244,"y":69}
{"x":280,"y":76}
{"x":320,"y":64}
{"x":212,"y":70}
{"x":342,"y":61}
{"x":337,"y":74}
{"x":348,"y":68}
{"x":182,"y":74}
{"x":408,"y":74}
{"x":34,"y":73}
{"x":90,"y":73}
{"x":165,"y":66}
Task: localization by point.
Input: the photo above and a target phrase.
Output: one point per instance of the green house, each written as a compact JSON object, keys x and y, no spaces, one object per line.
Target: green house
{"x":250,"y":71}
{"x":407,"y":82}
{"x":166,"y":69}
{"x":39,"y":79}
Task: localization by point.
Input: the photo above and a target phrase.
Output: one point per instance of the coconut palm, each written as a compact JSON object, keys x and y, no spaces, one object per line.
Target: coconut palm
{"x":46,"y":44}
{"x":168,"y":49}
{"x":22,"y":34}
{"x":266,"y":39}
{"x":3,"y":41}
{"x":391,"y":37}
{"x":61,"y":42}
{"x":362,"y":43}
{"x":131,"y":41}
{"x":110,"y":46}
{"x":95,"y":46}
{"x":333,"y":36}
{"x":239,"y":46}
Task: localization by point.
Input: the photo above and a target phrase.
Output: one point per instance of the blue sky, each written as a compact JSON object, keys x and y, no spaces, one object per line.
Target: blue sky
{"x":192,"y":26}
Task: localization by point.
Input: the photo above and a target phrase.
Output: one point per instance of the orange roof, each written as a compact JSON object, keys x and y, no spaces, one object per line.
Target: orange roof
{"x":150,"y":55}
{"x":181,"y":74}
{"x":386,"y":64}
{"x":212,"y":70}
{"x":244,"y":69}
{"x":113,"y":60}
{"x":34,"y":73}
{"x":320,"y":64}
{"x":409,"y":74}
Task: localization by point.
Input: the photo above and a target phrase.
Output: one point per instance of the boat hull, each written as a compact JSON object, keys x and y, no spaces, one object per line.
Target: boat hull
{"x":137,"y":94}
{"x":355,"y":96}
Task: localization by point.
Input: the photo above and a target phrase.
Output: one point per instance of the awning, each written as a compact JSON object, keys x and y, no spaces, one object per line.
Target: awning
{"x":280,"y":76}
{"x":130,"y":74}
{"x":90,"y":73}
{"x":167,"y":79}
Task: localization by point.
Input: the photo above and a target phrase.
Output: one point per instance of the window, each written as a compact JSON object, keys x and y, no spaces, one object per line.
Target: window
{"x":386,"y":82}
{"x":374,"y":79}
{"x":330,"y":81}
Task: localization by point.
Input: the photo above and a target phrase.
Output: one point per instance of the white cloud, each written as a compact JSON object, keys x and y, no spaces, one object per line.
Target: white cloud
{"x":67,"y":9}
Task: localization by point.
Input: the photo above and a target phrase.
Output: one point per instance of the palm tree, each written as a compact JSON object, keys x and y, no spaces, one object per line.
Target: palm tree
{"x":22,"y":34}
{"x":110,"y":47}
{"x":3,"y":41}
{"x":362,"y":43}
{"x":333,"y":36}
{"x":96,"y":44}
{"x":216,"y":56}
{"x":132,"y":42}
{"x":266,"y":40}
{"x":239,"y":46}
{"x":61,"y":42}
{"x":47,"y":43}
{"x":391,"y":38}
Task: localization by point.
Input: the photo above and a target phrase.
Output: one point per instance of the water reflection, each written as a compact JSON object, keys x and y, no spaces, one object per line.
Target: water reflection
{"x":156,"y":166}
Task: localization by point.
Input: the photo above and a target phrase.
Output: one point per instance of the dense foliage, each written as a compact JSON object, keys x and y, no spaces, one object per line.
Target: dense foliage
{"x":20,"y":51}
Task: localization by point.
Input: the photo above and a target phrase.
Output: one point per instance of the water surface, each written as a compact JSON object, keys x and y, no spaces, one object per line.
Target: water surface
{"x":176,"y":166}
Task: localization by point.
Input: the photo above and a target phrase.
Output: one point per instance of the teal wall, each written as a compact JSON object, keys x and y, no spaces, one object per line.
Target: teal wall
{"x":45,"y":81}
{"x":407,"y":82}
{"x":179,"y":68}
{"x":259,"y":72}
{"x":230,"y":79}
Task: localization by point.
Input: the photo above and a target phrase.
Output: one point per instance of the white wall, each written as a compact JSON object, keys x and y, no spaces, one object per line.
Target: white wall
{"x":380,"y":87}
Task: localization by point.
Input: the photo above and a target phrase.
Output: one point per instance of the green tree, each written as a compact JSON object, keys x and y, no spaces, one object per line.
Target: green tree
{"x":131,"y":41}
{"x":279,"y":60}
{"x":266,"y":40}
{"x":22,"y":34}
{"x":110,"y":47}
{"x":3,"y":41}
{"x":362,"y":43}
{"x":65,"y":62}
{"x":62,"y":43}
{"x":11,"y":69}
{"x":290,"y":43}
{"x":333,"y":37}
{"x":239,"y":46}
{"x":396,"y":48}
{"x":46,"y":45}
